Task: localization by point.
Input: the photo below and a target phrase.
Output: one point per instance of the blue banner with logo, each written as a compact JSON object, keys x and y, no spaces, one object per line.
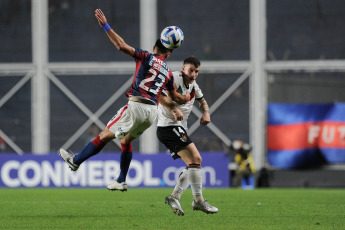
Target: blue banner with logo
{"x":157,"y":170}
{"x":305,"y":135}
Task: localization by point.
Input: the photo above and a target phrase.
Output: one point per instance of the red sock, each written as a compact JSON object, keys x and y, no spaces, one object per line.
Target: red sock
{"x":98,"y":143}
{"x":193,"y":165}
{"x":126,"y":148}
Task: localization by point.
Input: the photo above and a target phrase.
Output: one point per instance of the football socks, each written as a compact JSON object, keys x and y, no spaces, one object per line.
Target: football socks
{"x":195,"y":181}
{"x":91,"y":149}
{"x":126,"y":158}
{"x":181,"y":185}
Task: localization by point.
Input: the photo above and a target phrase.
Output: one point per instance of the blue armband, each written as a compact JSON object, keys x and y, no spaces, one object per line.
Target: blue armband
{"x":106,"y":27}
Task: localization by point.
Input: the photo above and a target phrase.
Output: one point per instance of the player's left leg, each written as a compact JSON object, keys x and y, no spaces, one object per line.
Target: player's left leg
{"x":126,"y":158}
{"x":142,"y":117}
{"x":125,"y":161}
{"x":191,"y":156}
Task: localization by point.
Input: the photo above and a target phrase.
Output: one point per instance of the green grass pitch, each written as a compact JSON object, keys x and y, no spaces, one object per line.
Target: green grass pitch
{"x":145,"y":209}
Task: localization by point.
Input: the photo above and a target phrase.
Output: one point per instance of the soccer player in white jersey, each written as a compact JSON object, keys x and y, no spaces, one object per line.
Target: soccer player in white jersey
{"x":172,"y":133}
{"x":152,"y":75}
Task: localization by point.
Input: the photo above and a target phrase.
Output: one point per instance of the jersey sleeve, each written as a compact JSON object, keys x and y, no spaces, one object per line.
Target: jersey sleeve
{"x":176,"y":75}
{"x":198,"y":93}
{"x":170,"y":84}
{"x":140,"y":55}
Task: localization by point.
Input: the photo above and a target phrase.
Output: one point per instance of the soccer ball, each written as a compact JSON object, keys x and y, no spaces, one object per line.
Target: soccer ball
{"x":172,"y":37}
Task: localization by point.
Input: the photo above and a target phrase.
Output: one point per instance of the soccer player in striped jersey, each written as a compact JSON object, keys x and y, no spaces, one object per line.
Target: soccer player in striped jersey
{"x":151,"y":76}
{"x":172,"y":133}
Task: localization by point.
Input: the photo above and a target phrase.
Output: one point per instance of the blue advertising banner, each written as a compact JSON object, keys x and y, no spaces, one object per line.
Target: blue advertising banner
{"x":157,"y":170}
{"x":305,"y":135}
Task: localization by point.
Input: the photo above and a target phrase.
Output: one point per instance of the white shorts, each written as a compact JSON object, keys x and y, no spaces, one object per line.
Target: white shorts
{"x":133,"y":118}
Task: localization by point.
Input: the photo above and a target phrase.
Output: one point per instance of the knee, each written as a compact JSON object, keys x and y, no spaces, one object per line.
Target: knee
{"x":106,"y":136}
{"x":197,"y":159}
{"x":127,"y":139}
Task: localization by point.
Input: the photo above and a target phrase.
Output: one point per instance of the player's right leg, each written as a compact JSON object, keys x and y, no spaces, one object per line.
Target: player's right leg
{"x":175,"y":205}
{"x":68,"y":158}
{"x":175,"y":138}
{"x":174,"y":199}
{"x":181,"y":185}
{"x":91,"y":149}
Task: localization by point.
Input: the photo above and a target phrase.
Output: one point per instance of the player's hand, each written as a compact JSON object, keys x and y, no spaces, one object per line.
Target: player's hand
{"x":205,"y":119}
{"x":187,"y":97}
{"x":100,"y":17}
{"x":178,"y":115}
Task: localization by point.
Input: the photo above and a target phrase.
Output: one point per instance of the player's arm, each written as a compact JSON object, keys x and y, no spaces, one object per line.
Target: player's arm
{"x":205,"y":118}
{"x":179,"y":98}
{"x":116,"y":39}
{"x":172,"y":106}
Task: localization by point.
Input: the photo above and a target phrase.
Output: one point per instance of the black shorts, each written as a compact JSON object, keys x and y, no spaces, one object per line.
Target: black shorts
{"x":174,"y":138}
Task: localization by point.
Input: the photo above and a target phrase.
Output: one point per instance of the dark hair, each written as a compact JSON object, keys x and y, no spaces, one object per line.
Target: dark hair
{"x":192,"y":60}
{"x":162,"y":49}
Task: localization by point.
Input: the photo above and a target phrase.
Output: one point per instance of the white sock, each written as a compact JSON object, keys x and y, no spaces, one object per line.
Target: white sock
{"x":182,"y":184}
{"x":196,"y":182}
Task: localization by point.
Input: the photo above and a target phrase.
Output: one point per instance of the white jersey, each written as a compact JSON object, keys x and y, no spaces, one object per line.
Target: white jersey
{"x":165,"y":116}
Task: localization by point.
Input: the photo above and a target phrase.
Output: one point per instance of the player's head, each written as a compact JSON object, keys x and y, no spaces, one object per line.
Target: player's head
{"x":160,"y":49}
{"x":192,"y":60}
{"x":190,"y":69}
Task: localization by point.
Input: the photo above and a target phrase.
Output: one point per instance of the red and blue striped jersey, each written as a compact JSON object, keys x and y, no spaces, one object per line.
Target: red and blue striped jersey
{"x":152,"y":75}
